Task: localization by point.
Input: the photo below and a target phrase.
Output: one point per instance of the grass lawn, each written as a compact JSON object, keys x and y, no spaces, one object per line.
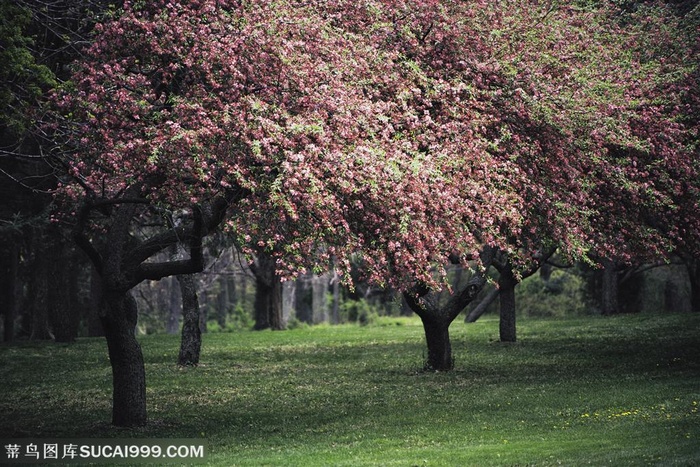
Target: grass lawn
{"x":616,"y":391}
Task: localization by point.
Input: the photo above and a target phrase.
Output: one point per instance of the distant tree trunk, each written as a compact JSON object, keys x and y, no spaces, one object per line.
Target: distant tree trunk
{"x":119,"y":315}
{"x":546,"y":271}
{"x":693,"y":267}
{"x":95,"y":328}
{"x":319,"y":307}
{"x":223,"y":301}
{"x":437,"y":337}
{"x":268,"y":295}
{"x":62,"y":292}
{"x":506,"y":285}
{"x":609,"y":297}
{"x":191,"y":342}
{"x":9,"y":295}
{"x":276,"y":303}
{"x":38,"y":296}
{"x":263,"y":303}
{"x":629,"y":291}
{"x":302,"y":300}
{"x":174,"y":305}
{"x":483,"y":305}
{"x":335,"y":311}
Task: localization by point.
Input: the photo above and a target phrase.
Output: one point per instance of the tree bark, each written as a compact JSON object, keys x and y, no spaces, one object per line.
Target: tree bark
{"x":38,"y":296}
{"x":9,"y":305}
{"x":437,"y":337}
{"x":175,"y":306}
{"x":95,"y":328}
{"x":268,"y":295}
{"x":191,"y":342}
{"x":63,"y":300}
{"x":609,"y":286}
{"x":119,"y":316}
{"x":263,"y":303}
{"x":483,"y":305}
{"x":506,"y":285}
{"x":693,"y":267}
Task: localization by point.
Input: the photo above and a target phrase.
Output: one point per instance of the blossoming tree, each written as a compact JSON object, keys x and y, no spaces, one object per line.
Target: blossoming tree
{"x":412,"y":134}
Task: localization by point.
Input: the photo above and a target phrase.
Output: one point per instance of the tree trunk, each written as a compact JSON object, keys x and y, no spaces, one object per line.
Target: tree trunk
{"x":263,"y":302}
{"x":191,"y":343}
{"x":319,"y":307}
{"x":268,"y":295}
{"x":119,"y":317}
{"x":335,"y":311}
{"x":39,"y":297}
{"x":506,"y":285}
{"x":483,"y":305}
{"x":174,"y":305}
{"x":222,"y":302}
{"x":276,"y":305}
{"x":95,"y":328}
{"x":437,"y":337}
{"x":693,"y":267}
{"x":609,"y":299}
{"x":62,"y":293}
{"x":9,"y":305}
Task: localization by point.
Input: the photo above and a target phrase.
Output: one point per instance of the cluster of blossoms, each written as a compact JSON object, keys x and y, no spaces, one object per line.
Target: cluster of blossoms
{"x":400,"y":131}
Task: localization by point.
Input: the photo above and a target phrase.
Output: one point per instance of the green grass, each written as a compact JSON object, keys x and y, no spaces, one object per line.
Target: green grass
{"x":616,"y":391}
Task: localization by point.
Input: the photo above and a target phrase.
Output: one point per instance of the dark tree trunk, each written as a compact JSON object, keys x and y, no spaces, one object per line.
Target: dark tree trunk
{"x":693,"y":267}
{"x":38,"y":296}
{"x":437,"y":337}
{"x":263,"y":302}
{"x":191,"y":342}
{"x":483,"y":305}
{"x":95,"y":328}
{"x":506,"y":285}
{"x":276,"y":308}
{"x":223,"y":301}
{"x":609,"y":288}
{"x":302,"y":300}
{"x":175,"y":306}
{"x":119,"y":317}
{"x":335,"y":311}
{"x":268,"y":295}
{"x":9,"y":295}
{"x":62,"y":293}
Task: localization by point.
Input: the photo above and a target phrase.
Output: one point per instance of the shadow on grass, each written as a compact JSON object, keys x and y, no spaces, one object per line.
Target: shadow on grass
{"x":299,"y":391}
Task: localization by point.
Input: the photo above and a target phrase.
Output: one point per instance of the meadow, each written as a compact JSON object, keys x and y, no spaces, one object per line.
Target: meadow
{"x":622,"y":390}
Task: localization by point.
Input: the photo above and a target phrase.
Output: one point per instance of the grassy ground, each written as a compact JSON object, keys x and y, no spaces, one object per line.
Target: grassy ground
{"x":614,"y":391}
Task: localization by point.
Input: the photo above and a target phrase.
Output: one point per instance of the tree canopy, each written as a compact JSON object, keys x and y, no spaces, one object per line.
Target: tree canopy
{"x":404,"y":131}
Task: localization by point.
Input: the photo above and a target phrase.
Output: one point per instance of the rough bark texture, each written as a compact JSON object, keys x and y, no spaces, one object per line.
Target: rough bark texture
{"x":191,"y":342}
{"x":38,"y":296}
{"x":268,"y":295}
{"x":119,"y":316}
{"x":175,"y":306}
{"x":95,"y":328}
{"x":609,"y":292}
{"x":693,"y":266}
{"x":483,"y":305}
{"x":506,"y":285}
{"x":437,"y":337}
{"x":8,"y":298}
{"x":63,"y":302}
